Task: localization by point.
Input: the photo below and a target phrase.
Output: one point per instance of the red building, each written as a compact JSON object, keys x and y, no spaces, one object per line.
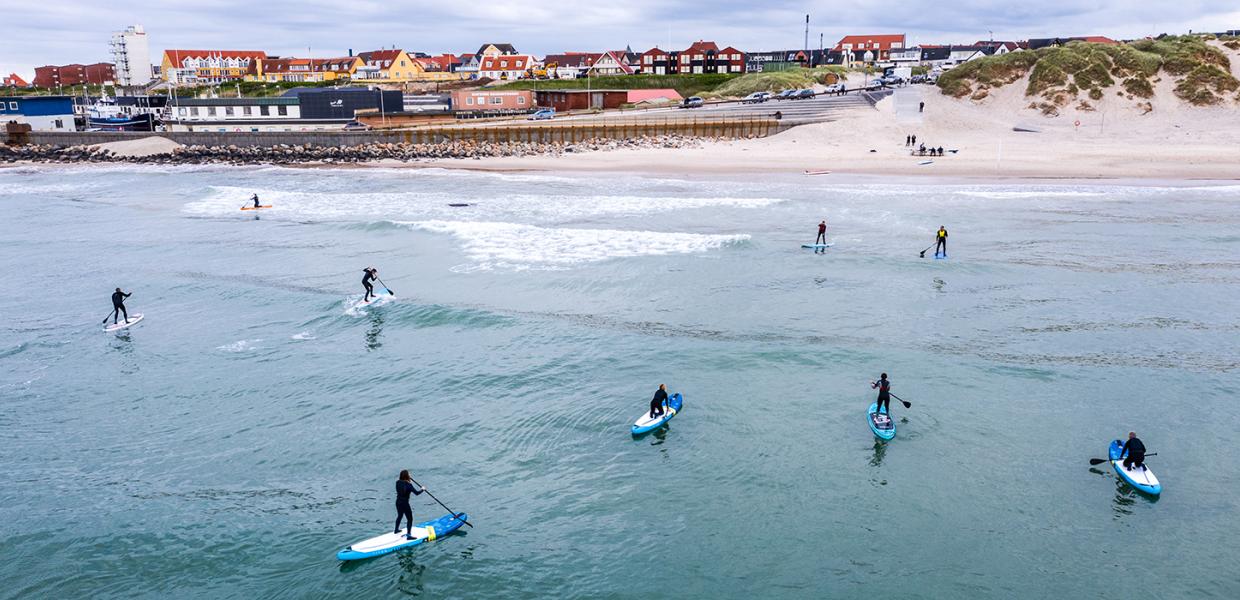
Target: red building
{"x":566,"y":100}
{"x":14,"y":81}
{"x":492,"y":101}
{"x":51,"y":76}
{"x":879,"y":46}
{"x":700,"y":57}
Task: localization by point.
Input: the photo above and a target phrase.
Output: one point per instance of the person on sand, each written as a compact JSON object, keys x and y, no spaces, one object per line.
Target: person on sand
{"x":404,"y":487}
{"x":656,"y":403}
{"x":940,"y":151}
{"x":1134,"y":452}
{"x":915,"y":140}
{"x":822,"y":233}
{"x":884,"y":394}
{"x":908,"y":140}
{"x":371,"y":274}
{"x":940,"y":241}
{"x":921,"y":106}
{"x":118,"y":305}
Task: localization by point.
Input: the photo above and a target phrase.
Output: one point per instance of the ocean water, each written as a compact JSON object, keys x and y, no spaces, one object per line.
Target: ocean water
{"x":254,"y":422}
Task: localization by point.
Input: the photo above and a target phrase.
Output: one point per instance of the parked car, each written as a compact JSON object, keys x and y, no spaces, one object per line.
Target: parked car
{"x":784,"y":95}
{"x":542,"y":114}
{"x":757,"y":98}
{"x":356,"y":126}
{"x":802,"y":94}
{"x":834,"y":88}
{"x":692,"y":102}
{"x":891,"y":80}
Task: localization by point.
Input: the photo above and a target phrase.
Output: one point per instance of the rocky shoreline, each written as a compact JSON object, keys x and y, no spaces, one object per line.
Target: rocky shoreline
{"x":298,"y":154}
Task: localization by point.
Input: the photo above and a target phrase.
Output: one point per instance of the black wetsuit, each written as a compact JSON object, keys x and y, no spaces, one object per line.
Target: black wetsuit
{"x":884,"y":395}
{"x":940,"y":242}
{"x":1135,"y":456}
{"x":656,"y":403}
{"x":366,"y":279}
{"x":403,"y":489}
{"x":118,"y":306}
{"x":255,"y":200}
{"x":822,"y":234}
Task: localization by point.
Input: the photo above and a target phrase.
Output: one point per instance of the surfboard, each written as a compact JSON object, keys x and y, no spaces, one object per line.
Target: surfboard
{"x":817,"y":172}
{"x":380,"y":294}
{"x":255,"y":207}
{"x":119,"y":325}
{"x":391,"y":542}
{"x":817,"y":245}
{"x":926,"y":162}
{"x":645,"y":424}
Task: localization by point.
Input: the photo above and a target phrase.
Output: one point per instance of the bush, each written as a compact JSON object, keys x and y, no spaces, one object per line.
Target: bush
{"x":1139,"y":87}
{"x":1205,"y":85}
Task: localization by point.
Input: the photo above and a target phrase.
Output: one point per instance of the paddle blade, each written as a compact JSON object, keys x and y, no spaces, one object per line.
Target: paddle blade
{"x":1098,"y":461}
{"x":907,"y":404}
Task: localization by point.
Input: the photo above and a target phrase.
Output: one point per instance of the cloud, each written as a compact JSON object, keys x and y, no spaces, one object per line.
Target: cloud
{"x":67,"y":31}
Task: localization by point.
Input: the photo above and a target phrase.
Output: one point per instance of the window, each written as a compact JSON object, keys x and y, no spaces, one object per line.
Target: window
{"x":12,"y":106}
{"x":497,"y":100}
{"x":264,"y":110}
{"x":247,"y":110}
{"x":60,"y":124}
{"x":193,"y":111}
{"x":521,"y":100}
{"x":181,"y":111}
{"x":503,"y":63}
{"x":282,"y":110}
{"x":210,"y":111}
{"x":228,"y":111}
{"x":469,"y":100}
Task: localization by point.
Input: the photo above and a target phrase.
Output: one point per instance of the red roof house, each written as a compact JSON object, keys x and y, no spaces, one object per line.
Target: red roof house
{"x":880,"y":46}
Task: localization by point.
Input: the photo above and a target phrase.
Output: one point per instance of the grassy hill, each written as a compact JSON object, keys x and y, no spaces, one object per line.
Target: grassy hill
{"x":687,"y":84}
{"x":1060,"y":75}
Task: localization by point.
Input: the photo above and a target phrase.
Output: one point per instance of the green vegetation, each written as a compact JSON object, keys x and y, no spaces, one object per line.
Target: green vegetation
{"x":249,"y":89}
{"x":687,"y":84}
{"x":795,"y":78}
{"x":1057,"y":75}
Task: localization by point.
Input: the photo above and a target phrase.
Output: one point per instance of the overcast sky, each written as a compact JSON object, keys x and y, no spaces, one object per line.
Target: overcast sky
{"x":67,"y":31}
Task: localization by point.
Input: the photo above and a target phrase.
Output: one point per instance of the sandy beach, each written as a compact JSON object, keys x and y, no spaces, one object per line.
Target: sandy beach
{"x":1116,"y":140}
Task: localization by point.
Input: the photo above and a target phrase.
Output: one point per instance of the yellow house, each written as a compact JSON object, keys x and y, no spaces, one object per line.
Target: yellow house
{"x":388,"y":65}
{"x":195,"y":67}
{"x":304,"y":69}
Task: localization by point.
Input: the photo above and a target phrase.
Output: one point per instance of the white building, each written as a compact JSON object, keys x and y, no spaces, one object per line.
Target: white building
{"x":131,"y":56}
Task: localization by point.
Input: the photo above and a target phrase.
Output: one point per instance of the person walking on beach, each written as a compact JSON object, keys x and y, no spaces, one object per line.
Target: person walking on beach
{"x":371,"y":274}
{"x":404,"y":487}
{"x":118,"y":305}
{"x":940,"y":241}
{"x":884,"y":393}
{"x":656,"y":403}
{"x":822,"y":233}
{"x":1134,"y":452}
{"x":908,"y":140}
{"x":914,"y":143}
{"x":921,"y":106}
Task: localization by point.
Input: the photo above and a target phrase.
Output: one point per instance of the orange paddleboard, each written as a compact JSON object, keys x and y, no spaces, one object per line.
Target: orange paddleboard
{"x":255,"y":207}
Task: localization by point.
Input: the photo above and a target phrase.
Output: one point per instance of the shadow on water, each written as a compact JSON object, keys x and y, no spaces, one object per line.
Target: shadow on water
{"x":375,"y":331}
{"x":880,"y":452}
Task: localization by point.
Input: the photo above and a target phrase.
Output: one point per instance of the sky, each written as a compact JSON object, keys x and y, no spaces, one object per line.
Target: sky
{"x":69,"y":31}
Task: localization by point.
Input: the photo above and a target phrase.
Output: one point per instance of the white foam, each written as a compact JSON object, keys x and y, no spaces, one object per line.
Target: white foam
{"x":239,"y":346}
{"x":513,"y":246}
{"x":305,"y":335}
{"x":1004,"y":194}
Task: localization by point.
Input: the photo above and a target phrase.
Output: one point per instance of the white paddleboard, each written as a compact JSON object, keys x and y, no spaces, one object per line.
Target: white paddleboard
{"x":817,"y":245}
{"x":389,"y":541}
{"x":119,"y":325}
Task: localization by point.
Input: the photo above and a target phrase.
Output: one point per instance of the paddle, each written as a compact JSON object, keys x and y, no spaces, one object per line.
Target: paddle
{"x":389,"y":290}
{"x":1098,"y":461}
{"x":445,"y":506}
{"x":922,"y":254}
{"x":906,"y":404}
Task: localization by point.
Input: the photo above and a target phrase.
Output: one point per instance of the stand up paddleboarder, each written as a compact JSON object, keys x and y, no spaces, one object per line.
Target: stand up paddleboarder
{"x":884,"y":393}
{"x":371,"y":274}
{"x":118,"y":305}
{"x":940,"y":241}
{"x":404,"y":487}
{"x":822,"y":233}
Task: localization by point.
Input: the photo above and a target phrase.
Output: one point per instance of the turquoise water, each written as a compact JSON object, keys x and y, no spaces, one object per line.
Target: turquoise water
{"x":254,"y":422}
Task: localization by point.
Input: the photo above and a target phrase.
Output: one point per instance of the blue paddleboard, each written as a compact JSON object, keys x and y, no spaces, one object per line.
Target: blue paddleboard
{"x":646,"y":424}
{"x":1143,"y":478}
{"x":881,"y":424}
{"x":816,"y":245}
{"x":391,"y":542}
{"x":940,"y":257}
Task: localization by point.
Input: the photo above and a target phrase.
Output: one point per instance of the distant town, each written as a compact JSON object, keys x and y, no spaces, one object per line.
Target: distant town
{"x":252,"y":90}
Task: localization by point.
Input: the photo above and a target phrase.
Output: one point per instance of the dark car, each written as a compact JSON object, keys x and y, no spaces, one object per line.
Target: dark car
{"x":802,"y":94}
{"x":786,"y":94}
{"x":692,"y":102}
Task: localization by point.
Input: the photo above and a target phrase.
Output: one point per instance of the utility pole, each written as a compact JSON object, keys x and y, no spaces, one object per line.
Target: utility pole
{"x":806,"y":46}
{"x":820,"y":56}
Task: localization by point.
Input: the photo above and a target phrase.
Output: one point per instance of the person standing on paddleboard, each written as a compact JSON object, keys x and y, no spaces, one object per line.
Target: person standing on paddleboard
{"x":371,"y":274}
{"x":884,"y":393}
{"x":940,"y":241}
{"x":118,"y":305}
{"x":656,"y":403}
{"x":1134,"y":452}
{"x":822,"y":233}
{"x":404,"y":487}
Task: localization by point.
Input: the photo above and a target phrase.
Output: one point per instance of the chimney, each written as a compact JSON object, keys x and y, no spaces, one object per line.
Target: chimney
{"x":350,"y":53}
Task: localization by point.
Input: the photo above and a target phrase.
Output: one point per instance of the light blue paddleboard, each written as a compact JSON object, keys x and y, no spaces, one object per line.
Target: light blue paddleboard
{"x":646,"y":424}
{"x":817,"y":245}
{"x":940,"y":257}
{"x":1143,"y":479}
{"x":880,"y":423}
{"x":391,"y":542}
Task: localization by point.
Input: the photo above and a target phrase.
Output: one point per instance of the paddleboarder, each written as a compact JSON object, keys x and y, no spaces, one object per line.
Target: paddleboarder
{"x":656,"y":403}
{"x":822,"y":233}
{"x":371,"y":274}
{"x":118,"y":305}
{"x":884,"y":393}
{"x":940,"y":241}
{"x":404,"y":487}
{"x":1134,"y":452}
{"x":255,"y":199}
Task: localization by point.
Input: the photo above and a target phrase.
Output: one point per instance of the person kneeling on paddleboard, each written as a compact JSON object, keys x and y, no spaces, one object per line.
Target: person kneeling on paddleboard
{"x":940,"y":241}
{"x":884,"y":393}
{"x":370,"y":274}
{"x":118,"y":305}
{"x":255,"y":199}
{"x":404,"y":487}
{"x":656,"y":403}
{"x":1134,"y":452}
{"x":822,"y":233}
